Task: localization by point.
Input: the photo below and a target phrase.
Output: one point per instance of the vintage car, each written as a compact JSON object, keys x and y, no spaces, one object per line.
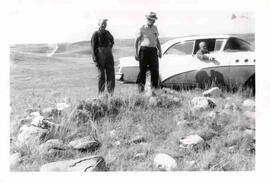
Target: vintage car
{"x":179,"y":67}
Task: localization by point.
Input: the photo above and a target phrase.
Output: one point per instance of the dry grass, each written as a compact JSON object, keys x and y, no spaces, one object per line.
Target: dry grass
{"x":38,"y":82}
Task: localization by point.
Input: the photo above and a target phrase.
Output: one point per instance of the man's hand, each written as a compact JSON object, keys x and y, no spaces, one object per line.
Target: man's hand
{"x":137,"y":57}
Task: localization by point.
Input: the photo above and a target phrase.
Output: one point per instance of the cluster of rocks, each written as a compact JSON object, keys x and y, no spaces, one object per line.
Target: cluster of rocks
{"x":34,"y":134}
{"x":38,"y":124}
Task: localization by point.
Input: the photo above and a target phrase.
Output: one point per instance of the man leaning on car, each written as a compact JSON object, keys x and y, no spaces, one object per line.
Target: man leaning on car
{"x":149,"y":52}
{"x":203,"y":50}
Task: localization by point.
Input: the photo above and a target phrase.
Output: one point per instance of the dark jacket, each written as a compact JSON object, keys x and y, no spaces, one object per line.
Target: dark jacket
{"x":100,"y":39}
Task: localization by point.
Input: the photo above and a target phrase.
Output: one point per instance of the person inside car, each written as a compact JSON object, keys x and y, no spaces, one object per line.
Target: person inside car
{"x":202,"y":51}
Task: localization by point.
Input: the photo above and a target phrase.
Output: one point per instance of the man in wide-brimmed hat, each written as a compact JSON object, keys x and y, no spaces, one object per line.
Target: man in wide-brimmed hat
{"x":102,"y":42}
{"x":147,"y":52}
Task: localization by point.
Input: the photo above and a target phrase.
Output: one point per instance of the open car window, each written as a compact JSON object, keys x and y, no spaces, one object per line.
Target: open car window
{"x":235,"y":44}
{"x":181,"y":48}
{"x":209,"y":42}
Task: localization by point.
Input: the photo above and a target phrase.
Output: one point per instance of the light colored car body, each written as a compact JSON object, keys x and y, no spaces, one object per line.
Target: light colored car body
{"x":179,"y":66}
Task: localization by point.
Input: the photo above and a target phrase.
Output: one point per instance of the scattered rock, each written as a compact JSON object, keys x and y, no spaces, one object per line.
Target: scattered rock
{"x":32,"y":115}
{"x":213,"y":92}
{"x":15,"y":159}
{"x":61,"y":106}
{"x":164,"y":162}
{"x":52,"y":146}
{"x":191,"y":141}
{"x":85,"y":144}
{"x":117,"y":143}
{"x":249,"y":104}
{"x":86,"y":164}
{"x":141,"y":155}
{"x":40,"y":122}
{"x":190,"y":164}
{"x":202,"y":103}
{"x":112,"y":133}
{"x":211,"y":115}
{"x":29,"y":135}
{"x":176,"y":99}
{"x":250,"y":115}
{"x":153,"y":101}
{"x":231,"y":106}
{"x":249,"y":132}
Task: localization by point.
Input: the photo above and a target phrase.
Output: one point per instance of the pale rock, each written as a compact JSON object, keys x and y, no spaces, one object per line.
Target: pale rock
{"x":164,"y":162}
{"x":15,"y":159}
{"x":211,"y":115}
{"x":30,"y":135}
{"x":190,"y":141}
{"x":213,"y":92}
{"x":249,"y":104}
{"x":86,"y":164}
{"x":231,"y":106}
{"x":52,"y":146}
{"x":249,"y":132}
{"x":61,"y":106}
{"x":85,"y":144}
{"x":37,"y":121}
{"x":250,"y":115}
{"x":113,"y":133}
{"x":141,"y":155}
{"x":153,"y":101}
{"x":176,"y":99}
{"x":117,"y":143}
{"x":202,"y":103}
{"x":32,"y":115}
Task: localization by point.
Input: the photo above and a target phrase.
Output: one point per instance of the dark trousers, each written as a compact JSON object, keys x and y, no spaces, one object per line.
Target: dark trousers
{"x":105,"y":65}
{"x":148,"y":60}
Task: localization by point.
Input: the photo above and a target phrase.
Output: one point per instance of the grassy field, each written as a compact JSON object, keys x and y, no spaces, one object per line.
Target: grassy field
{"x":38,"y":81}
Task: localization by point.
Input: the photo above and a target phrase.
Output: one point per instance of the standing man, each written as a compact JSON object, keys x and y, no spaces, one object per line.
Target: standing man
{"x":149,"y":51}
{"x":102,"y":42}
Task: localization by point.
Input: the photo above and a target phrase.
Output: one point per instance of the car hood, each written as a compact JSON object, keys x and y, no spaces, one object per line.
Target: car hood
{"x":128,"y":62}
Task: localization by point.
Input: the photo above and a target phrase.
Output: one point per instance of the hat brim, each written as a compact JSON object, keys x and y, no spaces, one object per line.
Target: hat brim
{"x":151,"y":18}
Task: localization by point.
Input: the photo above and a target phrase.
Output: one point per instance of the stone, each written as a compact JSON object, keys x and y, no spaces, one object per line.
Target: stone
{"x":249,"y":104}
{"x":40,"y":122}
{"x":61,"y":106}
{"x":211,"y":115}
{"x":15,"y":159}
{"x":85,"y":144}
{"x":32,"y":115}
{"x":164,"y":162}
{"x":49,"y":112}
{"x":213,"y":92}
{"x":153,"y":101}
{"x":250,"y":115}
{"x":249,"y":132}
{"x":231,"y":106}
{"x":117,"y":143}
{"x":30,"y":135}
{"x":202,"y":103}
{"x":141,"y":155}
{"x":191,"y":141}
{"x":52,"y":146}
{"x":86,"y":164}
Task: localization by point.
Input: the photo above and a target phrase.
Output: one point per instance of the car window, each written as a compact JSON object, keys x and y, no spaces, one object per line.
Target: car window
{"x":209,"y":42}
{"x":182,"y":48}
{"x":218,"y":44}
{"x":234,"y":44}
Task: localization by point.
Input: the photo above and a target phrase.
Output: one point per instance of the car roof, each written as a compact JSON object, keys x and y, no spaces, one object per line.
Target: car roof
{"x":167,"y":44}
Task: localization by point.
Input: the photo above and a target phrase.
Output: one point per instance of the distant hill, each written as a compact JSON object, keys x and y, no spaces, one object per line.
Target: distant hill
{"x":122,"y":47}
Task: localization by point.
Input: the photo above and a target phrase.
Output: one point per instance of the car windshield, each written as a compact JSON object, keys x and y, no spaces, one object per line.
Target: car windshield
{"x":235,"y":44}
{"x":181,"y":48}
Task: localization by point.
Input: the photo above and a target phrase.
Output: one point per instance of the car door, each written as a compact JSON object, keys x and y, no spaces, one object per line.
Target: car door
{"x":175,"y":62}
{"x":242,"y":61}
{"x":210,"y":73}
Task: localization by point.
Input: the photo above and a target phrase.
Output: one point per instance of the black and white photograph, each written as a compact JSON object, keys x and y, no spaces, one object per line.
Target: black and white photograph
{"x":131,"y":86}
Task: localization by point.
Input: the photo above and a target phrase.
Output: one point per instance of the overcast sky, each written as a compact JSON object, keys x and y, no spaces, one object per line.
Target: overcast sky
{"x":41,"y":21}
